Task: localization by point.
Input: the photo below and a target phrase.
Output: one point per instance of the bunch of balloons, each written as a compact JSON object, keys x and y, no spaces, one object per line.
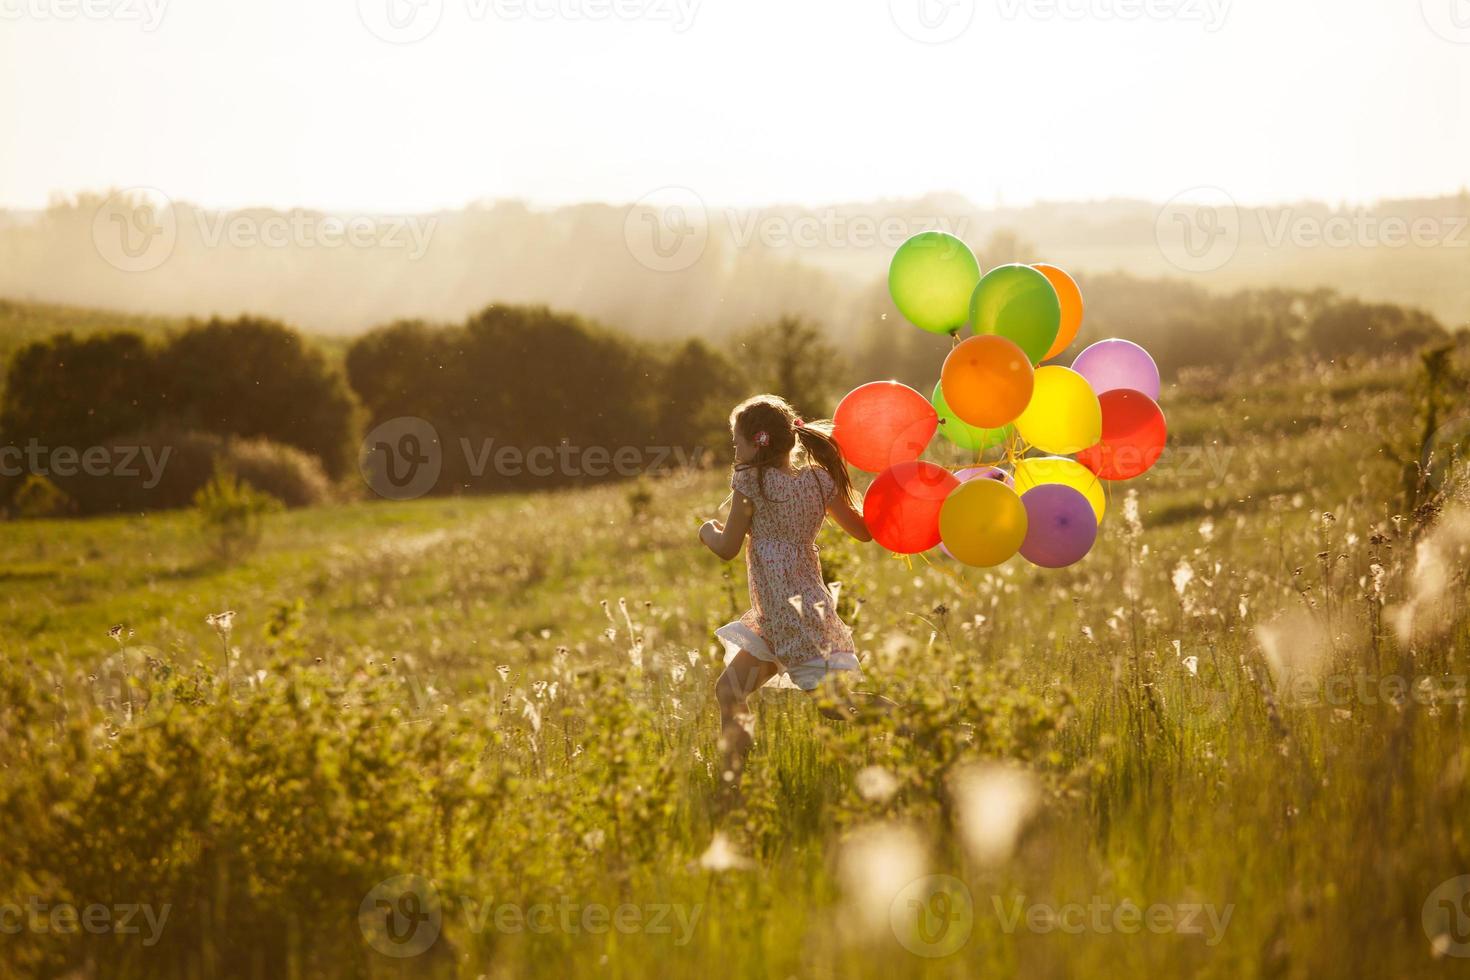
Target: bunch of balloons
{"x":1054,"y":432}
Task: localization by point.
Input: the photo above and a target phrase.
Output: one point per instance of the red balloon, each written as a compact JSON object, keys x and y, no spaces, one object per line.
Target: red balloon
{"x":901,"y":508}
{"x":1133,"y":435}
{"x":883,"y":423}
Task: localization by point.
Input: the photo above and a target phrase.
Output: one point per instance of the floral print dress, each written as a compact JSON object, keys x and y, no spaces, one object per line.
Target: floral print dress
{"x":792,"y":621}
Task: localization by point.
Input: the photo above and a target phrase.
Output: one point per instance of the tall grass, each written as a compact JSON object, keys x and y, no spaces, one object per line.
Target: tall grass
{"x":1243,"y":714}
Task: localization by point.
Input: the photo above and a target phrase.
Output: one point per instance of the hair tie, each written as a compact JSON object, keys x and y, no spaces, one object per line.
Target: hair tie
{"x":799,"y":424}
{"x":763,"y":438}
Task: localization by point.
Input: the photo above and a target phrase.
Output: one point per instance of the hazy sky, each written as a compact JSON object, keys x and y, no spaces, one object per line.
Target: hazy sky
{"x":299,"y":102}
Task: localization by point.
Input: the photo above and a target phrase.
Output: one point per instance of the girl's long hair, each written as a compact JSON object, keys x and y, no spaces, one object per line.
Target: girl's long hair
{"x":775,"y":417}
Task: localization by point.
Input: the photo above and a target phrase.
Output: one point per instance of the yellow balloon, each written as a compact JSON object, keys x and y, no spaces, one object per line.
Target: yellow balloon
{"x":982,"y":523}
{"x":1037,"y":470}
{"x":1064,"y":415}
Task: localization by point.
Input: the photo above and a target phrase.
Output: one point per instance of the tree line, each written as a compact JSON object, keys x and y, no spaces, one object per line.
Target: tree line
{"x":288,"y":418}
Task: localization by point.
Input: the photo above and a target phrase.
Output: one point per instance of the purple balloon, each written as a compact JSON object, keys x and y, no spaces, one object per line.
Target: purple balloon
{"x":1060,"y":526}
{"x":985,"y":473}
{"x":1115,"y":363}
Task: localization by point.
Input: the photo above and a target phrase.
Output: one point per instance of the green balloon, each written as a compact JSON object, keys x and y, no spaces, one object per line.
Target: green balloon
{"x":962,"y":433}
{"x":931,"y":280}
{"x":1020,"y":304}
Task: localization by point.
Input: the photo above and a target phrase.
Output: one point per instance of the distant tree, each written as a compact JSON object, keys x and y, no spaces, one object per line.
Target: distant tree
{"x":792,"y":358}
{"x":69,"y":392}
{"x":1005,"y":246}
{"x":1355,"y":327}
{"x":251,"y":377}
{"x":524,"y":378}
{"x":392,"y":369}
{"x":697,"y":388}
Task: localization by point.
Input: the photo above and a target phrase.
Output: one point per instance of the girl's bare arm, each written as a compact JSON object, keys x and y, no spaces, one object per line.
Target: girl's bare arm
{"x":848,"y":518}
{"x":725,"y":538}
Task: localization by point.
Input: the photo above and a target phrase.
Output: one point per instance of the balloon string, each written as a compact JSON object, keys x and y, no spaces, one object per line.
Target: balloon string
{"x":964,"y":584}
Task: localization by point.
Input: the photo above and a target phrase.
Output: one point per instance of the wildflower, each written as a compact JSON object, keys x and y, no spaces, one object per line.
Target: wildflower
{"x":504,"y":671}
{"x":120,"y":632}
{"x":532,"y":714}
{"x":1207,"y":529}
{"x":222,"y":622}
{"x":1191,"y":664}
{"x":1183,"y":575}
{"x":1130,"y":514}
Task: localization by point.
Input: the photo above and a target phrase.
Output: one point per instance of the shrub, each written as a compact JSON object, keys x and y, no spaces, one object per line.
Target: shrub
{"x":293,"y":477}
{"x":253,"y":378}
{"x":232,"y":513}
{"x":39,"y":497}
{"x":164,"y":467}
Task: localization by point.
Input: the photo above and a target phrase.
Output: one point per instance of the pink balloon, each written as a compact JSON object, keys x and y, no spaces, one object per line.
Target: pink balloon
{"x":1115,"y":363}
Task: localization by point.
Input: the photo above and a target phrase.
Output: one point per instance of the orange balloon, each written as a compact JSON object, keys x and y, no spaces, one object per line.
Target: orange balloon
{"x":1071,"y":298}
{"x":987,"y":381}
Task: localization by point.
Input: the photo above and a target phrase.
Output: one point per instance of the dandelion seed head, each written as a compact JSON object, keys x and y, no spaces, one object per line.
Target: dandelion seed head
{"x":876,"y":784}
{"x":875,"y":863}
{"x":993,"y":804}
{"x":722,"y":855}
{"x":1294,"y":644}
{"x":1436,"y":581}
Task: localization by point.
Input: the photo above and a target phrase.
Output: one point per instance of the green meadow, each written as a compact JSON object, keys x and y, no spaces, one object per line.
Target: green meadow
{"x":1232,"y":741}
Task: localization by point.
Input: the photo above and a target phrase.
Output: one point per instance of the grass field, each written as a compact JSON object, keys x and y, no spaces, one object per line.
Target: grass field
{"x":1232,"y":742}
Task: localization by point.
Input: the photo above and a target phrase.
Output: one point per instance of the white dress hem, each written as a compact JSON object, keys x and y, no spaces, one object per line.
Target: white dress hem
{"x":805,"y":676}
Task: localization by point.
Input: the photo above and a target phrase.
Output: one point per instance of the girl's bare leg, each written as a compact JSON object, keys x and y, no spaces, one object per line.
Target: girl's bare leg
{"x":741,"y":678}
